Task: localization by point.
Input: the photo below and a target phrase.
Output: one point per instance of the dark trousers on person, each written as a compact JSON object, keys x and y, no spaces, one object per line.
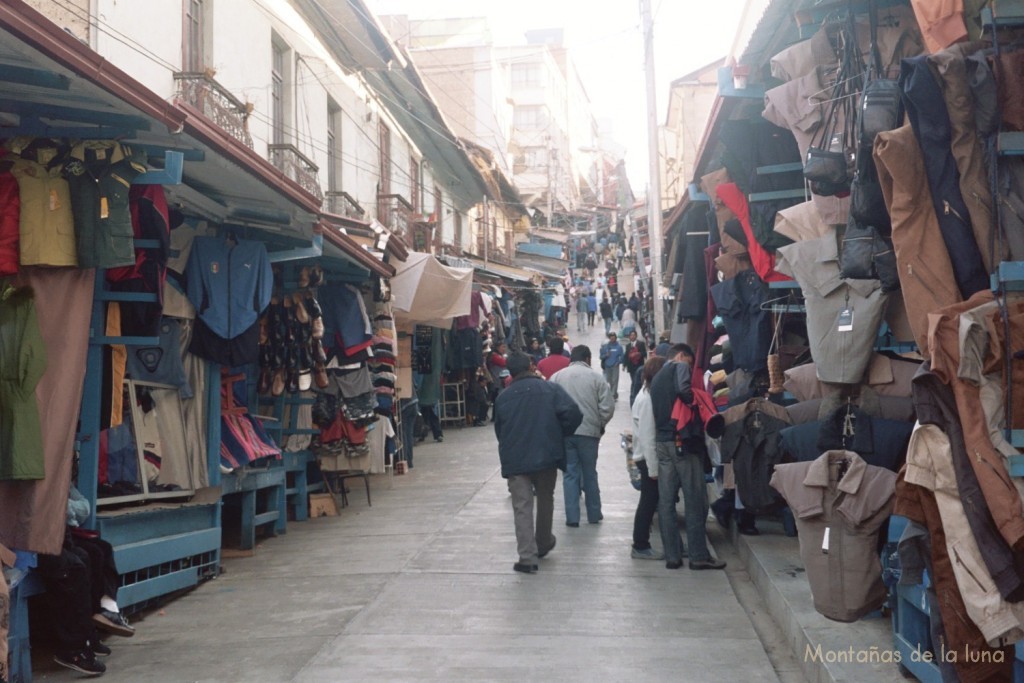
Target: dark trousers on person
{"x":75,"y":581}
{"x":636,"y":382}
{"x":590,"y":318}
{"x":646,"y":508}
{"x":432,"y":420}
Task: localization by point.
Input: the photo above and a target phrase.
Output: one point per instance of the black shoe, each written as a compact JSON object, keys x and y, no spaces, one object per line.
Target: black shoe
{"x":99,"y":649}
{"x":544,"y":553}
{"x":707,"y":564}
{"x":439,"y":439}
{"x":749,"y":531}
{"x":525,"y":568}
{"x":673,"y":564}
{"x":572,"y":524}
{"x":83,"y":661}
{"x":113,"y":622}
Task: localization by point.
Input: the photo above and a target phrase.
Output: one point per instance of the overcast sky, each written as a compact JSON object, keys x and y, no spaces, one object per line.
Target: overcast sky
{"x":606,"y":44}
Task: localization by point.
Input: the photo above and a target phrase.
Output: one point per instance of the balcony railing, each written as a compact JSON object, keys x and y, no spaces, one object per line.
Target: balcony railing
{"x":396,"y":213}
{"x":341,"y":203}
{"x":201,"y":91}
{"x":298,"y":167}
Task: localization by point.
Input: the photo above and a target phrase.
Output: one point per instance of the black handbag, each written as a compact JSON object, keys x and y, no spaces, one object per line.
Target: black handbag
{"x":866,"y":255}
{"x":867,"y":203}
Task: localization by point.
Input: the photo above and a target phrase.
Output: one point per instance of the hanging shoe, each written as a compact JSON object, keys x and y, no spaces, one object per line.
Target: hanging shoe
{"x":301,"y":312}
{"x":305,"y":380}
{"x":317,"y":348}
{"x":292,"y":386}
{"x":265,"y":382}
{"x":304,"y":277}
{"x":320,"y":375}
{"x":278,"y":383}
{"x":316,"y":276}
{"x":264,"y":330}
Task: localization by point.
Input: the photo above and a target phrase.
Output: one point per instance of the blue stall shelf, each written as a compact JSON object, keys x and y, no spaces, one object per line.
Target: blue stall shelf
{"x":260,"y":494}
{"x":162,"y":550}
{"x":23,"y":584}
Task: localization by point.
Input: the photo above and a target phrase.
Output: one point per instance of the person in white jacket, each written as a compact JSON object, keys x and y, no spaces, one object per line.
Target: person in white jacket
{"x":587,"y":387}
{"x":646,"y":459}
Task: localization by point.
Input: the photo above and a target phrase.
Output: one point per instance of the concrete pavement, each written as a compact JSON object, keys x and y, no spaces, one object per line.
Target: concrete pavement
{"x":420,"y":587}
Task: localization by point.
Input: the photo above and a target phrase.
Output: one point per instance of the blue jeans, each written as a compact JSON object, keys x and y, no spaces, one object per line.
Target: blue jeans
{"x":684,"y":470}
{"x":607,"y":326}
{"x":581,"y":464}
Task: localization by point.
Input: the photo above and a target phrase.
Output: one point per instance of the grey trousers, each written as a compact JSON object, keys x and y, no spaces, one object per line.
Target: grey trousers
{"x":522,"y":487}
{"x":684,"y":471}
{"x":611,"y":375}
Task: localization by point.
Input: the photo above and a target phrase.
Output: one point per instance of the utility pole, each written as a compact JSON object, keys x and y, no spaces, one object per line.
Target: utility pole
{"x":487,"y":229}
{"x":654,"y":186}
{"x":551,"y":186}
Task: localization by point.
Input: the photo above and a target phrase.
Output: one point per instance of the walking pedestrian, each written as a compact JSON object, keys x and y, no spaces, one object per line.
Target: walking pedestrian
{"x":628,"y":320}
{"x":606,"y":313}
{"x":645,"y":458}
{"x":594,"y":398}
{"x":611,"y":355}
{"x":555,"y":360}
{"x":581,"y":312}
{"x":591,"y":308}
{"x":636,"y":356}
{"x":680,"y":465}
{"x":532,"y":420}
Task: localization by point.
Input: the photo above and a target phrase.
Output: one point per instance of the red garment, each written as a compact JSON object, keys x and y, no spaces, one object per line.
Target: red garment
{"x":764,"y":263}
{"x":10,"y":215}
{"x":713,"y":421}
{"x":552,"y":364}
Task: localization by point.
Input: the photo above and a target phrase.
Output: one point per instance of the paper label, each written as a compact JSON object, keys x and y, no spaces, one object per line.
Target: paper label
{"x":824,"y":541}
{"x":54,"y":200}
{"x":104,"y":208}
{"x":101,"y":154}
{"x":845,"y":322}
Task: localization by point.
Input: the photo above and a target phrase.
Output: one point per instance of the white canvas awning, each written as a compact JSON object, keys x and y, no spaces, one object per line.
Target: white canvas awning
{"x":426,"y":292}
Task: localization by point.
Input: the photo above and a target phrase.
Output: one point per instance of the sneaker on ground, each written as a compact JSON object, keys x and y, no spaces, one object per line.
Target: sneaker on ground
{"x":113,"y":622}
{"x":646,"y":554}
{"x":707,"y":564}
{"x":99,"y":649}
{"x":82,"y":661}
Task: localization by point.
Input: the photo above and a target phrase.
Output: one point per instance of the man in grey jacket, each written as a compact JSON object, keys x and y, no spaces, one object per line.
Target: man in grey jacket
{"x":592,"y":394}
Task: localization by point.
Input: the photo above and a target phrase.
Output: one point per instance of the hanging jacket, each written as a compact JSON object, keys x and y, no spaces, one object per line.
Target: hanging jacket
{"x":924,"y":263}
{"x":230,"y":288}
{"x":22,"y":363}
{"x":738,"y":301}
{"x":46,"y":226}
{"x":937,"y":406}
{"x":930,"y":120}
{"x":1001,"y":495}
{"x":100,"y":175}
{"x":961,"y":634}
{"x":764,"y":262}
{"x":751,"y":444}
{"x":10,"y":210}
{"x":843,"y":567}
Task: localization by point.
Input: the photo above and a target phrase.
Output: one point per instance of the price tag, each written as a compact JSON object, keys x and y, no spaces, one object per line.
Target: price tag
{"x":54,"y":200}
{"x":824,"y":541}
{"x":845,"y":322}
{"x":104,"y":208}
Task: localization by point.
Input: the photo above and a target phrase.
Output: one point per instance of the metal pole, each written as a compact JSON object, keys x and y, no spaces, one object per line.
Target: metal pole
{"x":551,"y":189}
{"x":487,"y":229}
{"x":654,"y":185}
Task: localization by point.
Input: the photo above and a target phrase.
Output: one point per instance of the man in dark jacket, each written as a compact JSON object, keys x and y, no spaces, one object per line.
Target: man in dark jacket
{"x":680,"y":466}
{"x":532,"y":417}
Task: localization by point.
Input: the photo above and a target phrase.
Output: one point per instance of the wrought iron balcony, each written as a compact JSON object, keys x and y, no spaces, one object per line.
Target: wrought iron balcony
{"x":201,"y":91}
{"x":296,"y":166}
{"x":395,"y":212}
{"x":341,"y":203}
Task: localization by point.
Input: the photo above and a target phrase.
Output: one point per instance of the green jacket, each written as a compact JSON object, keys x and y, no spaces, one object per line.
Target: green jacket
{"x":22,"y":363}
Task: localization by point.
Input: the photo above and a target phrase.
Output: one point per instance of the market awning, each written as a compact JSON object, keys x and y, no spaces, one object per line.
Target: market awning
{"x":53,"y":85}
{"x":427,"y":292}
{"x":511,"y":273}
{"x":550,"y":268}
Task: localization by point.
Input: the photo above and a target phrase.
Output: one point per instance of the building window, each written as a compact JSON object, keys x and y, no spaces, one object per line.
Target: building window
{"x":414,"y":184}
{"x":384,"y":167}
{"x":528,"y":117}
{"x":278,"y":74}
{"x":334,"y":154}
{"x":526,"y":75}
{"x":194,"y":46}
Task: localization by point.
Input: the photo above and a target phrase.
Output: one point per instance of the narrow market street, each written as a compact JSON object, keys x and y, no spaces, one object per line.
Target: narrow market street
{"x":420,"y":587}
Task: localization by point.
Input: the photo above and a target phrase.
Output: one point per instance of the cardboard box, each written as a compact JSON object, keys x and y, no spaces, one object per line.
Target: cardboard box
{"x":322,"y":505}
